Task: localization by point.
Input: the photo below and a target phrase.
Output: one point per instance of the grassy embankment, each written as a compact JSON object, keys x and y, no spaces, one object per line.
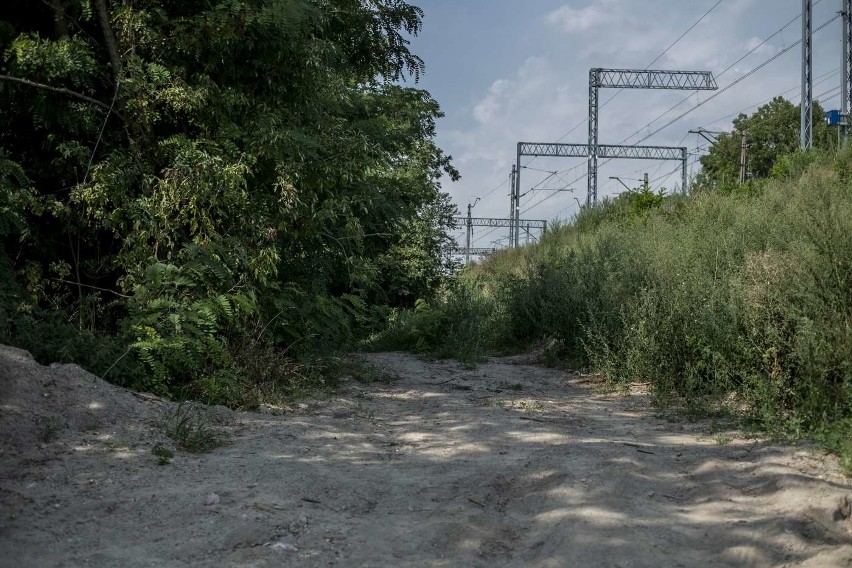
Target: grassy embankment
{"x":737,"y":302}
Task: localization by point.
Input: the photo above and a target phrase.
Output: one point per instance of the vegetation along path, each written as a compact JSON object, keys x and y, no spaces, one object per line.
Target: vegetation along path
{"x":506,"y":464}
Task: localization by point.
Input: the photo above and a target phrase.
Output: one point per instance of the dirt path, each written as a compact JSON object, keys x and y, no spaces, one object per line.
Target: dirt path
{"x":504,"y":465}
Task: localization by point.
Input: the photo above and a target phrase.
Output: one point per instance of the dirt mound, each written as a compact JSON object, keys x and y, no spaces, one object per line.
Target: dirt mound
{"x":40,"y":405}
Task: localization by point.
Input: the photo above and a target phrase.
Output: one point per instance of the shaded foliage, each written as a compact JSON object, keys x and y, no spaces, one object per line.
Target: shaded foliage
{"x":189,"y":177}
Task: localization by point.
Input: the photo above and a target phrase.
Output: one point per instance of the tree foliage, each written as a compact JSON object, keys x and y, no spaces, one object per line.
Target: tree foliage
{"x":193,"y":177}
{"x":772,"y":132}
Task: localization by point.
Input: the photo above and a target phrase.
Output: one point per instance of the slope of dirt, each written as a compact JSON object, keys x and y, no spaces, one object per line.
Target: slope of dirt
{"x":503,"y":465}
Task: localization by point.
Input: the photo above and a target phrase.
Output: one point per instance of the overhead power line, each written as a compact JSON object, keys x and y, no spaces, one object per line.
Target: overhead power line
{"x":733,"y":83}
{"x":657,"y":58}
{"x":715,"y":94}
{"x":723,"y":72}
{"x":711,"y":97}
{"x":724,"y":89}
{"x":819,"y":80}
{"x":506,"y":181}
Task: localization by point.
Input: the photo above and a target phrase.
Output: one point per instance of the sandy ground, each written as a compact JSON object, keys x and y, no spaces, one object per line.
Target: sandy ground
{"x":503,"y":465}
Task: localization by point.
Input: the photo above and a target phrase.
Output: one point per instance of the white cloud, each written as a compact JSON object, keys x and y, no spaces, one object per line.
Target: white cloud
{"x":486,"y":109}
{"x":540,"y":101}
{"x":571,"y":20}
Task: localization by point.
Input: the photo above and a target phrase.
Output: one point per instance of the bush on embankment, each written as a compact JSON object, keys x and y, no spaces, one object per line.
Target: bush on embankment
{"x":738,"y":301}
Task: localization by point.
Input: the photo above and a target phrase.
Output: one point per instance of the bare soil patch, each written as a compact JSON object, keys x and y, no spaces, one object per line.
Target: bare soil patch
{"x":503,"y":465}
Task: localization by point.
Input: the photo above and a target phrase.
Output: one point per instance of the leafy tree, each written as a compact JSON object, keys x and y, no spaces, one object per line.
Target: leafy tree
{"x":206,"y":175}
{"x":772,"y":131}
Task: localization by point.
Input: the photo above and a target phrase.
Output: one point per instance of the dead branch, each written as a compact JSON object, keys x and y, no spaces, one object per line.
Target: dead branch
{"x":60,"y":90}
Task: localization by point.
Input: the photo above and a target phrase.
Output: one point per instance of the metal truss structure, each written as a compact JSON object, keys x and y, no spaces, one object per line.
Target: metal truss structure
{"x":558,"y":150}
{"x":633,"y":79}
{"x":475,"y":251}
{"x":515,"y":226}
{"x":646,"y":79}
{"x":612,"y":151}
{"x":807,"y":122}
{"x":489,"y":222}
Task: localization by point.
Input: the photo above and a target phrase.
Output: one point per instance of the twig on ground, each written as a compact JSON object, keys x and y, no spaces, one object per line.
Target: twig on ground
{"x":638,"y":448}
{"x":475,"y":502}
{"x":533,"y":419}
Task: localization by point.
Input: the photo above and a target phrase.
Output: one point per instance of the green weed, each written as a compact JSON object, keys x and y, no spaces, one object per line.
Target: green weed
{"x":51,"y":427}
{"x":163,"y":454}
{"x":191,"y":428}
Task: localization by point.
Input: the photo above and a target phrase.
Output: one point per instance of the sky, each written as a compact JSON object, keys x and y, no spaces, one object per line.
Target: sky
{"x":505,"y":71}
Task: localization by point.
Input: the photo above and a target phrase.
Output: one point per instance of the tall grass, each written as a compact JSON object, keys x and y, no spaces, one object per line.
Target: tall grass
{"x":740,"y":302}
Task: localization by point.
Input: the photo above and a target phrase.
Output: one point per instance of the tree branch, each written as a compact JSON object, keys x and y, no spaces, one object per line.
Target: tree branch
{"x":59,"y":20}
{"x":109,"y":38}
{"x":60,"y":90}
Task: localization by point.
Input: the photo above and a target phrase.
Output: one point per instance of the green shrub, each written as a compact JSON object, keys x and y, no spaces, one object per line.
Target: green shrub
{"x":459,"y":324}
{"x":737,"y":302}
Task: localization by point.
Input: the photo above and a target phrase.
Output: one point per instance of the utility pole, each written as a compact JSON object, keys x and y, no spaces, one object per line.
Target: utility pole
{"x":646,"y":182}
{"x":807,"y":120}
{"x":516,"y":201}
{"x":592,"y":167}
{"x":743,"y":157}
{"x":846,"y":69}
{"x":469,"y":231}
{"x":469,"y":224}
{"x":517,"y":214}
{"x":512,"y":205}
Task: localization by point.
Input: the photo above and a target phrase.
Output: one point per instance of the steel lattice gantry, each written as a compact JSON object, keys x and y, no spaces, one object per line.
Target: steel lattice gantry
{"x":612,"y":151}
{"x":647,"y":79}
{"x":516,"y":225}
{"x":474,"y":251}
{"x":633,"y":79}
{"x":489,"y":222}
{"x":559,"y":150}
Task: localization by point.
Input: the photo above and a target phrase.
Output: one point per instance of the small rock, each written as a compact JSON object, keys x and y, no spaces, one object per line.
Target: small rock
{"x":212,"y":499}
{"x":844,"y":508}
{"x":283,"y":546}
